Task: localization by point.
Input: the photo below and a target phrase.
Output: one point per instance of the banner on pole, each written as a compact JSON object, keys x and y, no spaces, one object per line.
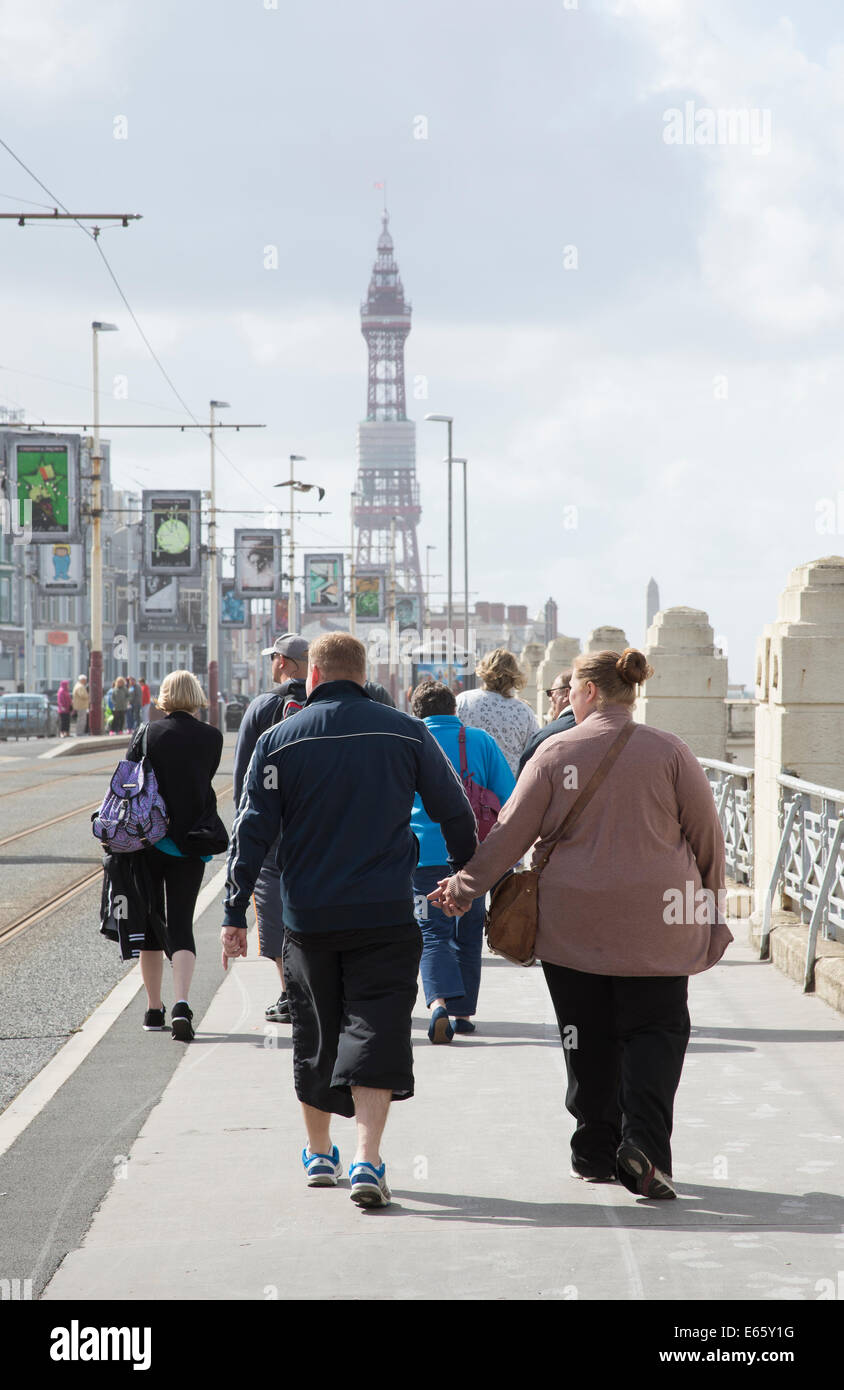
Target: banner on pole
{"x":45,"y":481}
{"x":61,"y":568}
{"x":369,"y":597}
{"x":159,"y":596}
{"x":171,"y":532}
{"x":409,"y":612}
{"x":234,"y":611}
{"x":324,"y":584}
{"x":257,"y":563}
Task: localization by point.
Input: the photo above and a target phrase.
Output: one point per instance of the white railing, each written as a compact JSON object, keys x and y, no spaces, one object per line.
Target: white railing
{"x":809,"y":867}
{"x":732,"y":787}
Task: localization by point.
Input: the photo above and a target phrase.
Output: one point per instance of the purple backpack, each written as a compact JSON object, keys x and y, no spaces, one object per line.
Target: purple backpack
{"x":133,"y":814}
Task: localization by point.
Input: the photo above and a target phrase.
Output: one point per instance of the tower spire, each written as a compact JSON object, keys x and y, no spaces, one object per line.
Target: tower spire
{"x":387,"y":489}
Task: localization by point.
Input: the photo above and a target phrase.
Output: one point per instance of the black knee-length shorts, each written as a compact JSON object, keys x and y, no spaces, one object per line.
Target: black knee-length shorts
{"x":351,"y":999}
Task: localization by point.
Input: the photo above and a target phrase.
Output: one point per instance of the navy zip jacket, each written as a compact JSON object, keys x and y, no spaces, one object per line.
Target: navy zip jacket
{"x":342,"y":776}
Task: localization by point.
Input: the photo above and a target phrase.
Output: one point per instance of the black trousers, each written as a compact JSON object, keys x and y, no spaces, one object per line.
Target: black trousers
{"x":624,"y":1039}
{"x":182,"y":879}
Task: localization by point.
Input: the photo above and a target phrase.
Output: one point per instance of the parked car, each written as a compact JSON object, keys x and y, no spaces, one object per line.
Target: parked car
{"x":28,"y":716}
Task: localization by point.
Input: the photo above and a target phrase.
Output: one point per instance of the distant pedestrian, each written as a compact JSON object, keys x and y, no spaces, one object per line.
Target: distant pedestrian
{"x":145,"y":702}
{"x":561,"y":716}
{"x":616,"y":938}
{"x":451,"y":946}
{"x":119,"y":704}
{"x":133,"y":709}
{"x":184,"y":755}
{"x":288,"y":669}
{"x":64,"y":703}
{"x":81,"y":701}
{"x":340,"y":778}
{"x":496,"y":708}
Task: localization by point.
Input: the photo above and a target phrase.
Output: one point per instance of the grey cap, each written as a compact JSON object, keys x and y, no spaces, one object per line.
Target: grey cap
{"x":288,"y":644}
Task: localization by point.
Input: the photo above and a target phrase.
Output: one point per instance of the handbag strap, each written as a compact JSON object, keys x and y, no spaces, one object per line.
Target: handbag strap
{"x":582,"y":801}
{"x":461,"y":743}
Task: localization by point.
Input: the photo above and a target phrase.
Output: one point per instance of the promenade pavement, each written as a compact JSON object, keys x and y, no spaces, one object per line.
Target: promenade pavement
{"x":212,"y":1202}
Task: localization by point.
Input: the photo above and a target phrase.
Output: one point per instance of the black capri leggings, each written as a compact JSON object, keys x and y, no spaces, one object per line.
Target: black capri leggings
{"x":181,"y":879}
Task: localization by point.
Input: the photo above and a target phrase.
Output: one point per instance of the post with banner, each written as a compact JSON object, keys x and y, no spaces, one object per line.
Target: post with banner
{"x":257,"y":563}
{"x":324,"y":584}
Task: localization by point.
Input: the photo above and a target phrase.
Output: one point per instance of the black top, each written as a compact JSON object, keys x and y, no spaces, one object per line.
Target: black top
{"x":184,"y":755}
{"x":564,"y":721}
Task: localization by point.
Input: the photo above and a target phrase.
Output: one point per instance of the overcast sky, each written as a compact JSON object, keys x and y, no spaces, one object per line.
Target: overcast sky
{"x":646,"y":331}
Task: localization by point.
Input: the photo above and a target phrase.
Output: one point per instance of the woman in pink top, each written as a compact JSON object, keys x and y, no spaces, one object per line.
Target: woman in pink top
{"x":630,"y":904}
{"x":64,"y":704}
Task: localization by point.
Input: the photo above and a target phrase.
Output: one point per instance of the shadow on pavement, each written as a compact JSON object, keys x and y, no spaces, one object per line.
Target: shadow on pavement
{"x":696,"y":1208}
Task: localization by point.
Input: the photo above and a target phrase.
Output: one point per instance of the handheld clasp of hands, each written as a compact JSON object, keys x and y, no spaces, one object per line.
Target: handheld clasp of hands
{"x":442,"y":898}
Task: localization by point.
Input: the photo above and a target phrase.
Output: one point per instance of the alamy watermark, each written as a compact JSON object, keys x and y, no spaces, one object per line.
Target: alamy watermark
{"x":707,"y":125}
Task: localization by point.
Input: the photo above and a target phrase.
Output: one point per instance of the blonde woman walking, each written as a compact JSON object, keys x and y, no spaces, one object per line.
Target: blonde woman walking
{"x":496,"y":708}
{"x":616,"y":937}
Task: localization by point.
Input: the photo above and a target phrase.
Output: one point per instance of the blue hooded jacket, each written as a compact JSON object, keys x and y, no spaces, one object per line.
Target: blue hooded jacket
{"x":483,"y":758}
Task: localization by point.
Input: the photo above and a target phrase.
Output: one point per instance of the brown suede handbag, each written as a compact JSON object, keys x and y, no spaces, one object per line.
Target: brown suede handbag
{"x":513,"y":914}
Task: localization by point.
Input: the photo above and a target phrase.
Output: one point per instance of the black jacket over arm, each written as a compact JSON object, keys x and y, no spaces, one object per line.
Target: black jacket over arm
{"x":184,"y":755}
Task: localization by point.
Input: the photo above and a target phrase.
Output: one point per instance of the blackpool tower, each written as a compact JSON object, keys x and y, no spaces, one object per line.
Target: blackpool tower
{"x":386,"y":488}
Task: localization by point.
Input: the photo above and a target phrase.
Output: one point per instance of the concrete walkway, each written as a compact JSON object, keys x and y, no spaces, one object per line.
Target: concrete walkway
{"x":212,"y":1202}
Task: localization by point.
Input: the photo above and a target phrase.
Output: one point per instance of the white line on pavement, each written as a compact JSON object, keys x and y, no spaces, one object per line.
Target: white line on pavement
{"x":53,"y":1076}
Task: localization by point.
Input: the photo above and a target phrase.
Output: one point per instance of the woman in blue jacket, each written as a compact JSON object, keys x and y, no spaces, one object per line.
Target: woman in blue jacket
{"x":451,"y":946}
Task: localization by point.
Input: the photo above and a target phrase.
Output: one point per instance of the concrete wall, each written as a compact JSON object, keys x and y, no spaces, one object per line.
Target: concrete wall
{"x":686,"y":694}
{"x":800,"y":695}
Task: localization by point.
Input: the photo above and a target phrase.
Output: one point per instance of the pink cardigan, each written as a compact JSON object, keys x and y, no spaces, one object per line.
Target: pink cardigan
{"x":617,"y":896}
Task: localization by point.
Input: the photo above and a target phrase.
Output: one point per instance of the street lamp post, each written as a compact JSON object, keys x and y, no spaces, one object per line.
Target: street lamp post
{"x":353,"y":624}
{"x":465,"y":559}
{"x":95,"y":672}
{"x":448,"y":420}
{"x":213,"y":605}
{"x":428,"y":549}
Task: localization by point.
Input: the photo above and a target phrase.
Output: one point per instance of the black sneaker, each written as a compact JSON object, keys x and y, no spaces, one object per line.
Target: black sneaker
{"x":280,"y":1011}
{"x":639,"y":1175}
{"x":181,"y":1023}
{"x":154,"y":1020}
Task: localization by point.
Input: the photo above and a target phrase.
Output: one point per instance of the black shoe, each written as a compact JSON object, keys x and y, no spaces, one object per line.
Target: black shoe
{"x":279,"y":1012}
{"x":181,"y":1023}
{"x":463,"y":1025}
{"x":594,"y":1177}
{"x":639,"y":1175}
{"x":154,"y":1020}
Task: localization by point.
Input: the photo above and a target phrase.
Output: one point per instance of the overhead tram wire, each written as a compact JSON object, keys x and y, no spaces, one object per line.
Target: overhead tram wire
{"x":56,"y":202}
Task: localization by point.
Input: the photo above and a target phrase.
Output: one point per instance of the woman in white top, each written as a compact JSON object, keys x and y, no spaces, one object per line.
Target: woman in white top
{"x":496,"y":708}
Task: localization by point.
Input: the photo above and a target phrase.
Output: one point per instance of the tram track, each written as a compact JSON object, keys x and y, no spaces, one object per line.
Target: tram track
{"x":64,"y":895}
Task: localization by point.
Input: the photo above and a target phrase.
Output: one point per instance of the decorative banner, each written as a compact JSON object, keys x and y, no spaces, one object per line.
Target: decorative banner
{"x":409,"y":612}
{"x":61,"y":568}
{"x":45,"y":477}
{"x":369,"y":598}
{"x":324,"y":584}
{"x":159,"y":596}
{"x":171,"y":532}
{"x":257,"y":564}
{"x":234,"y":611}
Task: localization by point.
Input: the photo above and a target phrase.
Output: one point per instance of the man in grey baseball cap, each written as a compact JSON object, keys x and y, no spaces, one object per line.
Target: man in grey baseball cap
{"x":289,"y":654}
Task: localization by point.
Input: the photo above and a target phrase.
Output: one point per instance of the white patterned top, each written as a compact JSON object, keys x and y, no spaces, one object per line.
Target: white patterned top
{"x":511,"y":721}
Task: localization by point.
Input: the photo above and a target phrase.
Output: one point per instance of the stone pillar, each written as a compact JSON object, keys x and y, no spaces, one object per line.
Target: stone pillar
{"x":606,"y":639}
{"x":800,"y":695}
{"x":558,"y":655}
{"x":687,"y":692}
{"x":529,"y":660}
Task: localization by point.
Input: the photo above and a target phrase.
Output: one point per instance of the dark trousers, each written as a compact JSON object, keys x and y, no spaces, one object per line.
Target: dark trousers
{"x":182,"y":880}
{"x":624,"y":1039}
{"x":451,"y":947}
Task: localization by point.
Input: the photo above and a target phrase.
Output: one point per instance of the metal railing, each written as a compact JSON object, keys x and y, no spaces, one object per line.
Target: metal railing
{"x":809,"y":867}
{"x":732,"y":787}
{"x":24,"y":719}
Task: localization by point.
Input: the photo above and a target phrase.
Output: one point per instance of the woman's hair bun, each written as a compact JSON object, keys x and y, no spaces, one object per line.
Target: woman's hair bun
{"x":632,"y":666}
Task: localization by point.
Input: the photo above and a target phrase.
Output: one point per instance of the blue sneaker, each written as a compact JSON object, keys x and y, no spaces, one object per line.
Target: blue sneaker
{"x":440,"y":1029}
{"x":369,"y":1185}
{"x":323,"y":1170}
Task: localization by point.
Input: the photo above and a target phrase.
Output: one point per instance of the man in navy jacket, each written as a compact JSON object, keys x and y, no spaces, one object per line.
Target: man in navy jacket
{"x":340,"y":778}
